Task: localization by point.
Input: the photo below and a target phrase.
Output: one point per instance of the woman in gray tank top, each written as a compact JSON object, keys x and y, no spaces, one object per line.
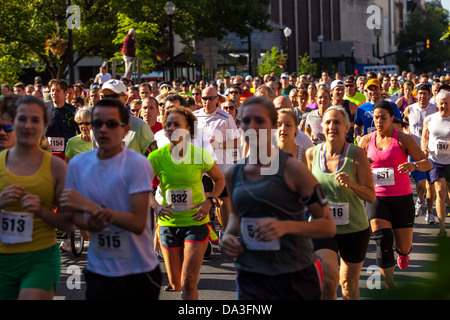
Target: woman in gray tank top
{"x":268,"y":232}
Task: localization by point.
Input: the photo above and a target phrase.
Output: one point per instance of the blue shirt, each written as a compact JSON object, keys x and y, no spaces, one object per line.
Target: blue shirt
{"x":364,"y":116}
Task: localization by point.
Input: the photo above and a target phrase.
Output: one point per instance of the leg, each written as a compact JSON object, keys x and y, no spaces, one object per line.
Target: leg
{"x":421,"y":188}
{"x":349,"y":274}
{"x":329,"y":260}
{"x":431,"y":195}
{"x":403,"y":240}
{"x":441,"y":195}
{"x":173,"y":260}
{"x":193,"y":258}
{"x":382,"y":231}
{"x":36,"y":294}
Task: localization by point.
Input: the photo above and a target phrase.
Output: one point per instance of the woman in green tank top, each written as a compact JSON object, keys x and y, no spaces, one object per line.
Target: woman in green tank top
{"x":344,"y":171}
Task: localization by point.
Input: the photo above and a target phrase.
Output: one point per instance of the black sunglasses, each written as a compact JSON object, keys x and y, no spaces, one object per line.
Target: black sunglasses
{"x":110,"y":124}
{"x":85,"y":123}
{"x":234,"y":92}
{"x":6,"y":127}
{"x":209,"y":98}
{"x":195,"y":93}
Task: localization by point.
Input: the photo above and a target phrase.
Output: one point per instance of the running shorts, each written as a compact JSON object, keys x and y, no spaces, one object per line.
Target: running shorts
{"x":398,"y":210}
{"x":40,"y":269}
{"x":174,"y":237}
{"x":439,"y":171}
{"x":351,"y":247}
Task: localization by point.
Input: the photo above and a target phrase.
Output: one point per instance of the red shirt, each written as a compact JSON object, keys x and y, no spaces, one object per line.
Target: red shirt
{"x":158,"y":126}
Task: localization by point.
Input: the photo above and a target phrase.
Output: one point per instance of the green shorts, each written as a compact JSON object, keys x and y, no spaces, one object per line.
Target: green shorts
{"x":39,"y":269}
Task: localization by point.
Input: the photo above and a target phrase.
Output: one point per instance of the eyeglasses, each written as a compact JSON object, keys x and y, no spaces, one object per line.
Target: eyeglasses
{"x":195,"y":93}
{"x":110,"y":124}
{"x":234,"y":92}
{"x":85,"y":123}
{"x":6,"y":128}
{"x":228,"y":108}
{"x":209,"y":98}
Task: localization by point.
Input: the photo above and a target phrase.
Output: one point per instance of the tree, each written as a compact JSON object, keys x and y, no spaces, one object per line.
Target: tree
{"x":272,"y":61}
{"x":306,"y":66}
{"x":427,"y":22}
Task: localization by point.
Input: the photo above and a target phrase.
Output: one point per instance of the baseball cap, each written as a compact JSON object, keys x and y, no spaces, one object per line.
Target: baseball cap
{"x":284,"y":76}
{"x":248,"y":78}
{"x":115,"y":86}
{"x":336,"y":83}
{"x":373,"y":82}
{"x":350,"y":79}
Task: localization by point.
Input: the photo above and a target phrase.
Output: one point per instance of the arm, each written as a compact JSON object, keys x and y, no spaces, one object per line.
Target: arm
{"x":62,"y":219}
{"x":410,"y":146}
{"x":309,"y":155}
{"x":230,"y":245}
{"x":364,"y":189}
{"x":425,"y":138}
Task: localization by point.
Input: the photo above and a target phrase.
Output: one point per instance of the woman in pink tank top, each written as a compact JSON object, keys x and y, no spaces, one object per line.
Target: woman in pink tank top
{"x":392,"y":214}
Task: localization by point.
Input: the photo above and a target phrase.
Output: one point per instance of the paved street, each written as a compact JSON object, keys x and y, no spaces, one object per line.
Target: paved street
{"x":218,"y":273}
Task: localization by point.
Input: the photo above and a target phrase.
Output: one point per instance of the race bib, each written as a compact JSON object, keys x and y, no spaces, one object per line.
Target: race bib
{"x":181,"y":200}
{"x":340,"y":212}
{"x":111,"y":244}
{"x":16,"y":227}
{"x":442,"y":147}
{"x":56,"y":144}
{"x":248,"y":225}
{"x":383,"y":176}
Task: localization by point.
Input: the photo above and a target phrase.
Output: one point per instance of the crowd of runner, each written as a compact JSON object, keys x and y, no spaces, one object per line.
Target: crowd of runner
{"x":299,"y":174}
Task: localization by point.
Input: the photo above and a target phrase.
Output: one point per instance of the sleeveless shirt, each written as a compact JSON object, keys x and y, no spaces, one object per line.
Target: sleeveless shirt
{"x":269,"y":196}
{"x":40,"y":183}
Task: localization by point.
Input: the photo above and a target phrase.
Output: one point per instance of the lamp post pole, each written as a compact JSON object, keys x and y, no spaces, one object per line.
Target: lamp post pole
{"x":287,"y":33}
{"x":170,"y":10}
{"x":320,"y":39}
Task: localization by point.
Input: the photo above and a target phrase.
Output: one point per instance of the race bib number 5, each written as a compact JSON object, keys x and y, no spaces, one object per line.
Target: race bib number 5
{"x":383,"y":176}
{"x":111,"y":244}
{"x":248,"y":225}
{"x":16,"y":227}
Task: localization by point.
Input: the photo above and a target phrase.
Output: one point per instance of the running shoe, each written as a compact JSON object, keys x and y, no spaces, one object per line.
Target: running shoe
{"x":402,"y":261}
{"x":442,"y":233}
{"x":429,"y":218}
{"x":65,"y":245}
{"x":419,"y":206}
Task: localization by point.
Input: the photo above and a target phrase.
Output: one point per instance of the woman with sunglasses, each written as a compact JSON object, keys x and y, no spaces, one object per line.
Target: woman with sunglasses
{"x":391,"y":216}
{"x":82,"y":142}
{"x":182,"y":210}
{"x":267,"y":231}
{"x":31,"y":182}
{"x":7,"y":136}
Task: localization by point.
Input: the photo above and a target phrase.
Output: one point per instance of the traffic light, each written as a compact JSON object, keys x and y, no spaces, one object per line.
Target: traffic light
{"x":428,"y":43}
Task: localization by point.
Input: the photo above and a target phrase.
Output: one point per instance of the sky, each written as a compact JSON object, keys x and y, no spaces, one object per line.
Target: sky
{"x":446,"y":4}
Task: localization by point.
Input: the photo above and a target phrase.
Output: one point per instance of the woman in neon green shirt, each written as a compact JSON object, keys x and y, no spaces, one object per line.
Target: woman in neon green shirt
{"x":82,"y":142}
{"x":183,"y":211}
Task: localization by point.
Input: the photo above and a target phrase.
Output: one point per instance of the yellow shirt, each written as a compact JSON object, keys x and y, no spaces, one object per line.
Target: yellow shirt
{"x":40,"y":183}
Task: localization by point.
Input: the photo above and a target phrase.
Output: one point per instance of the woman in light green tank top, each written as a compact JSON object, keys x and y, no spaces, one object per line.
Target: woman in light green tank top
{"x":344,"y":171}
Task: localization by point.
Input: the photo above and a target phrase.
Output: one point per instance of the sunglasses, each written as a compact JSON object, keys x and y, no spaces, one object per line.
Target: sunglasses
{"x":195,"y":93}
{"x":234,"y":92}
{"x":135,"y":110}
{"x":209,"y":98}
{"x":228,"y":108}
{"x":110,"y":124}
{"x":6,"y":128}
{"x":85,"y":123}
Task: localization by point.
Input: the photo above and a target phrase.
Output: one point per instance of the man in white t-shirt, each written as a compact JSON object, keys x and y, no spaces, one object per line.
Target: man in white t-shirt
{"x":221,"y":131}
{"x":108,"y":191}
{"x":102,"y":76}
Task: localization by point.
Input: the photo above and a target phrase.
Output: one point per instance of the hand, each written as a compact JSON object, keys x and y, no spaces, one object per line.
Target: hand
{"x":269,"y":229}
{"x":343,"y":179}
{"x":164,"y":212}
{"x":231,"y":246}
{"x":406,"y":167}
{"x":11,"y":194}
{"x":427,"y":152}
{"x":73,"y":200}
{"x":203,"y":210}
{"x":100,"y":219}
{"x":31,"y":203}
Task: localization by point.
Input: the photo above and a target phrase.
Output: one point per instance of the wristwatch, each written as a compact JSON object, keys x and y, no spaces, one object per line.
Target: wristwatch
{"x":214,"y":201}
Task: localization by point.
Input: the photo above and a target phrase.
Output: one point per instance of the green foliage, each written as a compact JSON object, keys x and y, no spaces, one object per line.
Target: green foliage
{"x":307,"y":66}
{"x":424,"y":23}
{"x":272,"y":61}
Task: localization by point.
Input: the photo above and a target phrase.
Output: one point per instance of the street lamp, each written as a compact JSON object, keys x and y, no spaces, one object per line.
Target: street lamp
{"x":320,"y":39}
{"x":287,"y":33}
{"x":170,"y":11}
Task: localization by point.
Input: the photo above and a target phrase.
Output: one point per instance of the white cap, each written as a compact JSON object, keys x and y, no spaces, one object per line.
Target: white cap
{"x":115,"y":85}
{"x":336,"y":83}
{"x":284,"y":75}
